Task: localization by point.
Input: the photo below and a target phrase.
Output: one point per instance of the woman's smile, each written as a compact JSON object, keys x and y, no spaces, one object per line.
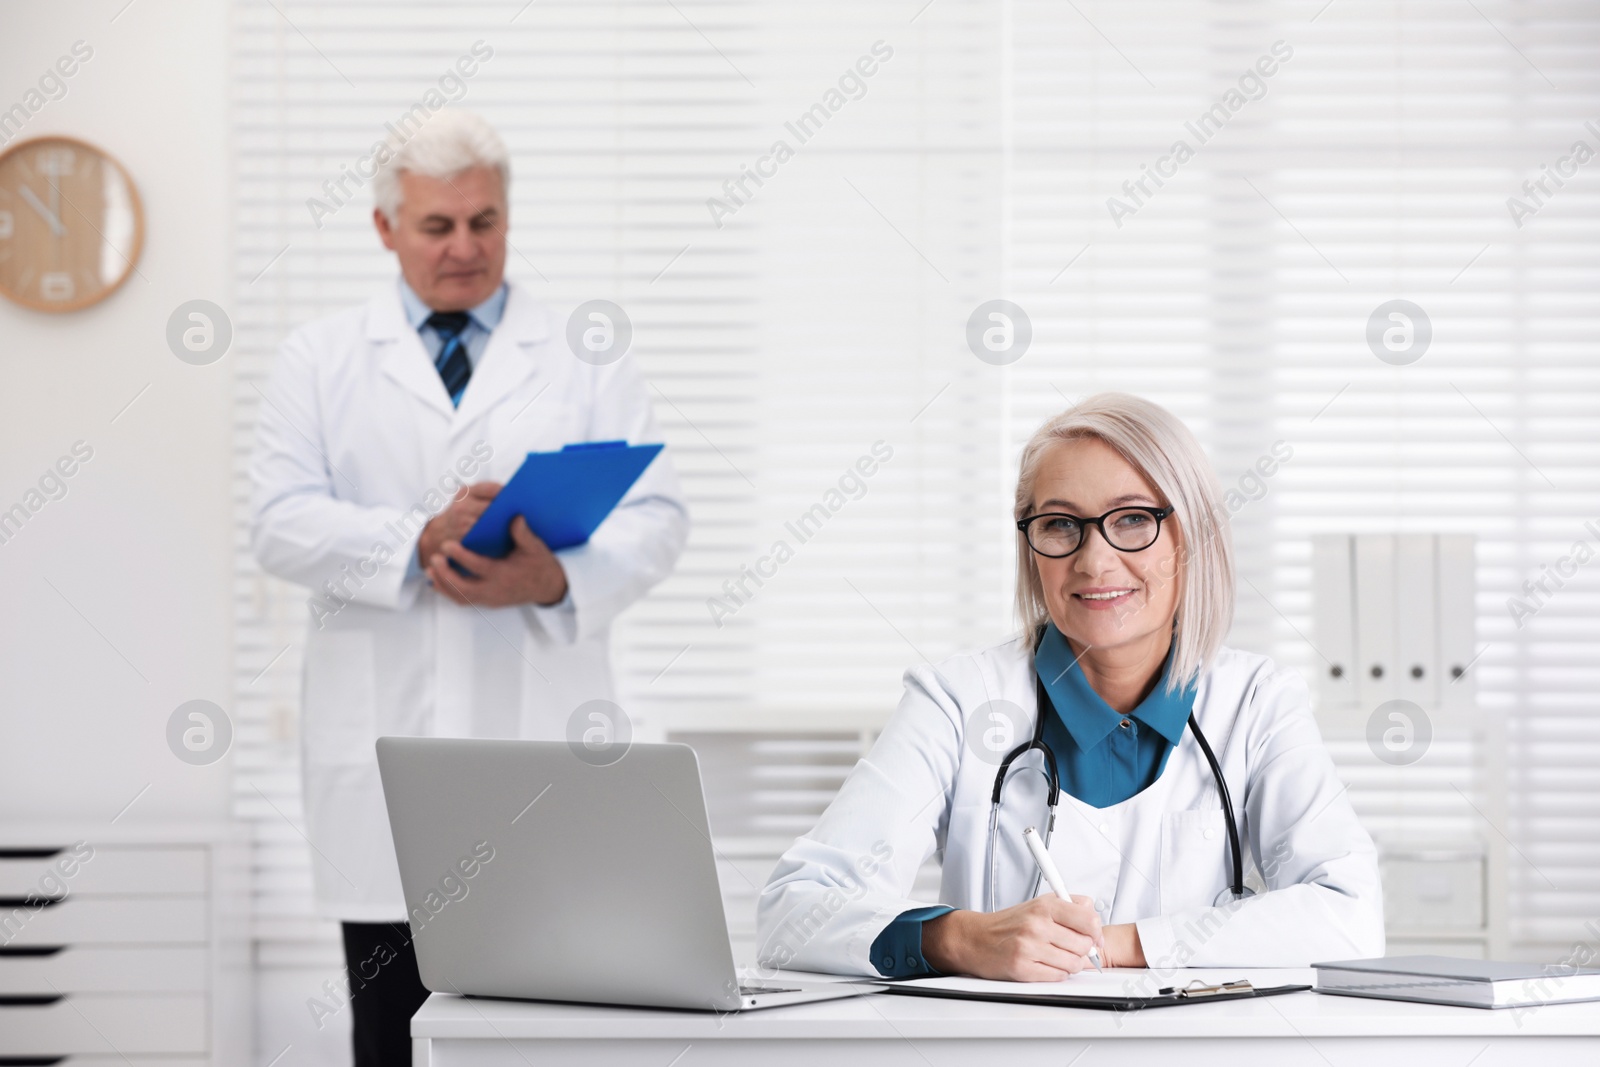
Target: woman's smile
{"x":1103,"y":597}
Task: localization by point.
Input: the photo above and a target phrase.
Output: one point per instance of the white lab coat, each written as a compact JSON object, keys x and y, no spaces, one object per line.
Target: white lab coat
{"x":354,"y":430}
{"x":1158,"y":859}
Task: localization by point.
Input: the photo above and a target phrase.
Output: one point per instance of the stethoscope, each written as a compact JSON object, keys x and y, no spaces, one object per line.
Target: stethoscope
{"x":1236,"y":889}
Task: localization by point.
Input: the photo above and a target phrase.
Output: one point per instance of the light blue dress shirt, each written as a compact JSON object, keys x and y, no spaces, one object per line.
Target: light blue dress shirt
{"x":481,"y":322}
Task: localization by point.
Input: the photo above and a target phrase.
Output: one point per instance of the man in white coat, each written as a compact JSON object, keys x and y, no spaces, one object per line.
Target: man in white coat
{"x":386,"y":430}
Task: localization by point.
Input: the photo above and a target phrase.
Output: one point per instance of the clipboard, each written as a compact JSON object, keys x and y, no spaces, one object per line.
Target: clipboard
{"x":564,"y":496}
{"x":1196,"y":992}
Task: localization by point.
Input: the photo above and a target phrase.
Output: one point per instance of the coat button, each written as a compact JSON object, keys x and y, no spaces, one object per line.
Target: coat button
{"x":1211,"y":835}
{"x":1104,"y":828}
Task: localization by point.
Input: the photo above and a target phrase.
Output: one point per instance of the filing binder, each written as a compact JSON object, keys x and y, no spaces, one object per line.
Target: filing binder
{"x":1458,"y":617}
{"x":1334,"y":602}
{"x":1376,"y":675}
{"x":1196,"y":992}
{"x":1416,"y":626}
{"x":563,"y":495}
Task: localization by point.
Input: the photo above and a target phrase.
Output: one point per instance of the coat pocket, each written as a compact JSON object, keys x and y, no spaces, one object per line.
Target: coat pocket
{"x":338,"y":709}
{"x":1194,"y":859}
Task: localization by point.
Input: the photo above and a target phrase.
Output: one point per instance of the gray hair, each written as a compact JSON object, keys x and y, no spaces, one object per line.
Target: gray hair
{"x":443,"y":145}
{"x":1162,"y":449}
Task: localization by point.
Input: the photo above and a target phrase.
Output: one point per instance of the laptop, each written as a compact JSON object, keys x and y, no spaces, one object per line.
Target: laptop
{"x":530,"y":872}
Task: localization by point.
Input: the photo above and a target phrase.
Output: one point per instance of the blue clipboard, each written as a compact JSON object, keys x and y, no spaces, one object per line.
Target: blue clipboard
{"x":564,"y":495}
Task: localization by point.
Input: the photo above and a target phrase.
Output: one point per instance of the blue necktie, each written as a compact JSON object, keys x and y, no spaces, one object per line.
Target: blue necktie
{"x":453,"y":365}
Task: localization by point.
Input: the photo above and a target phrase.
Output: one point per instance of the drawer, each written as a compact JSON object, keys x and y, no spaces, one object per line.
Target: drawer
{"x":107,"y":920}
{"x":103,"y":969}
{"x":105,"y":1024}
{"x":109,"y":869}
{"x":1426,"y":894}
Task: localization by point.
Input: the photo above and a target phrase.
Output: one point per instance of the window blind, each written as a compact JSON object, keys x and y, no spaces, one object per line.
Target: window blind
{"x":1383,"y":158}
{"x":793,"y":327}
{"x":801,"y":336}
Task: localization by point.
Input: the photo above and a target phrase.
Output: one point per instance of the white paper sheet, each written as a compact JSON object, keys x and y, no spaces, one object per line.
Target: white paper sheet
{"x":1117,"y":982}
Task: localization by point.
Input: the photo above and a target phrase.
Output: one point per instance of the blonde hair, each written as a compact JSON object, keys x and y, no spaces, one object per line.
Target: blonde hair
{"x":1161,"y":448}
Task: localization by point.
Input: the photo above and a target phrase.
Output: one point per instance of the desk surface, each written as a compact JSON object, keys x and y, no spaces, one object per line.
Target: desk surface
{"x":1307,"y":1015}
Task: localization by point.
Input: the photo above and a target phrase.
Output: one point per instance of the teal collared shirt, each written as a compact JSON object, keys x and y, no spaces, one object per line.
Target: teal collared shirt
{"x":1102,"y":758}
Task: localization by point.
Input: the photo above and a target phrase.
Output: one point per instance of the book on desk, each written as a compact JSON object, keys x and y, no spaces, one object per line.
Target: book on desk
{"x":1462,"y":982}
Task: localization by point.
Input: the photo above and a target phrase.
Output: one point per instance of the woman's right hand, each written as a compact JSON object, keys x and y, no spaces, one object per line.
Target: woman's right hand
{"x":1042,"y":940}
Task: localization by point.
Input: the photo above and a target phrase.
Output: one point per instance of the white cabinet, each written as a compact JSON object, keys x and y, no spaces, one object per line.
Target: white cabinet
{"x":1437,"y":893}
{"x":1395,"y":619}
{"x":123,"y":944}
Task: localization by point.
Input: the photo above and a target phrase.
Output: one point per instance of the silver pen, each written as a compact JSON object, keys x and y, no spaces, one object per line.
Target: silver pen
{"x":1048,"y":867}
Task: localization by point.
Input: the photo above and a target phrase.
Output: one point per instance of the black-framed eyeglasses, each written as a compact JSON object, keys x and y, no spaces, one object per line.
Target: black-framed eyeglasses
{"x":1056,"y":534}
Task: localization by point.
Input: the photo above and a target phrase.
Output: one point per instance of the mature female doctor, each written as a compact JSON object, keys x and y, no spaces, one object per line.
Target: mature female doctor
{"x":1177,"y":760}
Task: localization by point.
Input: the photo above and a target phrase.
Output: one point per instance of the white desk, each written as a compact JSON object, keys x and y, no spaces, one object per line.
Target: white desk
{"x":890,"y":1031}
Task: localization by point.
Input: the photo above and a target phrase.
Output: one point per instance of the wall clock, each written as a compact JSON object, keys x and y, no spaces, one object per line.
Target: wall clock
{"x":71,"y":226}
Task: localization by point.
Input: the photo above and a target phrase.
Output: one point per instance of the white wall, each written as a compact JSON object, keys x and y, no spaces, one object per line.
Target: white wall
{"x":137,"y":621}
